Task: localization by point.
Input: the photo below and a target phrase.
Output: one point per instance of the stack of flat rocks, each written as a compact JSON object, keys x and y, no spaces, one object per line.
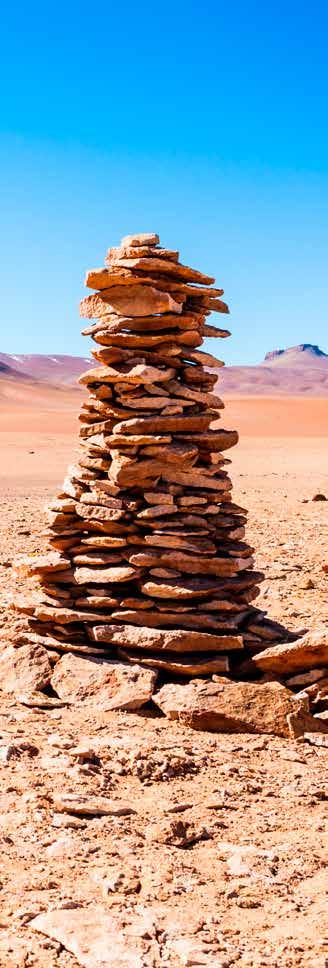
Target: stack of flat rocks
{"x":148,"y":558}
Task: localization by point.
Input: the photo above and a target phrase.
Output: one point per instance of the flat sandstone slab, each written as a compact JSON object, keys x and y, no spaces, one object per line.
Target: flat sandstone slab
{"x":130,"y":300}
{"x":24,"y":669}
{"x":235,"y":707}
{"x":105,"y":684}
{"x":165,"y":640}
{"x":306,"y":653}
{"x":180,"y":666}
{"x":89,"y":806}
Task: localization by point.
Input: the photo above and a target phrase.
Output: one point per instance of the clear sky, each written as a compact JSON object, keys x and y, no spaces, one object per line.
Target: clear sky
{"x":205,"y":122}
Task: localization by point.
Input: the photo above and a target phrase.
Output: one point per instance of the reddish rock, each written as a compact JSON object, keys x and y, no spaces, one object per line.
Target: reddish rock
{"x":25,"y":669}
{"x":234,"y":707}
{"x":177,"y":640}
{"x":141,"y":238}
{"x":106,"y":685}
{"x":129,"y":300}
{"x":306,"y":653}
{"x":97,"y":938}
{"x":29,"y":565}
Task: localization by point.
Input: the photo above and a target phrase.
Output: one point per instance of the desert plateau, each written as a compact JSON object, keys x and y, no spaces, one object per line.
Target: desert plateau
{"x":174,"y":847}
{"x":163,"y":486}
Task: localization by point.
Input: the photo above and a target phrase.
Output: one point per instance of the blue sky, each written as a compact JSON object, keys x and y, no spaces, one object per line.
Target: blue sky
{"x":204,"y":122}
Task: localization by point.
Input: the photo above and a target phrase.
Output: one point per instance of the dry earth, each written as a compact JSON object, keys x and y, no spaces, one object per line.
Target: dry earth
{"x":221,"y":862}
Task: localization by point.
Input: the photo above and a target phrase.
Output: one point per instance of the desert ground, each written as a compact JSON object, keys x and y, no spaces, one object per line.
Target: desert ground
{"x":221,"y":861}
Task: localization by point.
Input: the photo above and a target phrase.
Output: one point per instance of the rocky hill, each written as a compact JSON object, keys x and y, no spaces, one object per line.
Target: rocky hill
{"x":297,"y":370}
{"x":58,"y":369}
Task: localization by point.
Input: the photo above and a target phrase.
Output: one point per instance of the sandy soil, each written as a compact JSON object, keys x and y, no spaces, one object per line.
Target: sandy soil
{"x":251,"y":890}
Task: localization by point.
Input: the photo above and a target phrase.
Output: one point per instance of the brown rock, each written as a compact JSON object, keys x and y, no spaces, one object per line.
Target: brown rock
{"x":176,"y":640}
{"x":106,"y":685}
{"x":118,"y":441}
{"x":101,"y":541}
{"x":188,"y":665}
{"x":141,"y":238}
{"x":38,"y":700}
{"x":101,"y":513}
{"x":188,"y":564}
{"x":29,"y":565}
{"x":136,"y":373}
{"x":317,"y":692}
{"x":190,"y":619}
{"x":132,"y":300}
{"x":97,"y":558}
{"x":173,"y":453}
{"x":156,"y":511}
{"x":198,"y":546}
{"x":129,"y":252}
{"x":158,"y":497}
{"x":145,"y":403}
{"x":126,"y":472}
{"x":149,"y":340}
{"x":25,"y":669}
{"x":175,"y":270}
{"x":210,"y":331}
{"x":62,"y":615}
{"x":98,"y":497}
{"x":147,"y":425}
{"x":305,"y":653}
{"x":178,"y":833}
{"x":206,"y":359}
{"x":180,"y":589}
{"x":215,"y":440}
{"x":234,"y":707}
{"x":307,"y":678}
{"x":100,"y":575}
{"x":89,"y":806}
{"x":110,"y":324}
{"x":209,"y":399}
{"x":197,"y":478}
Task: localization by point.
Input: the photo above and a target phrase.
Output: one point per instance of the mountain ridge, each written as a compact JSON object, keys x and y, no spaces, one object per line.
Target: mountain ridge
{"x":59,"y":369}
{"x":303,"y":354}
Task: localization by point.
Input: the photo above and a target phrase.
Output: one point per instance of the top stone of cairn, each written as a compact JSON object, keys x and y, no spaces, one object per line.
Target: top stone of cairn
{"x":143,"y":238}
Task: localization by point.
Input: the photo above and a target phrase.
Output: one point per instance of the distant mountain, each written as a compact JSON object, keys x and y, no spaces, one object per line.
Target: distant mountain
{"x":297,"y":370}
{"x":305,"y":354}
{"x":9,"y":372}
{"x":58,"y":369}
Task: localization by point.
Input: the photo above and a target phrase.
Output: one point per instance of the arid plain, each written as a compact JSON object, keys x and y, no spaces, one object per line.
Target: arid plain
{"x":248,"y":887}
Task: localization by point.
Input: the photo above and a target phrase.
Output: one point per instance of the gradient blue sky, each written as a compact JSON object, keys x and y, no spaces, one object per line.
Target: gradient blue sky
{"x":204,"y":122}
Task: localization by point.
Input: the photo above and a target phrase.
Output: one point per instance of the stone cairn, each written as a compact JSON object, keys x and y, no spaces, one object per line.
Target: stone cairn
{"x":148,"y":561}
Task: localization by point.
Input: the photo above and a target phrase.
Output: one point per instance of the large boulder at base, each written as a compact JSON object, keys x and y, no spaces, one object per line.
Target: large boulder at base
{"x":24,"y":669}
{"x":236,"y":707}
{"x":106,"y":685}
{"x":309,"y":652}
